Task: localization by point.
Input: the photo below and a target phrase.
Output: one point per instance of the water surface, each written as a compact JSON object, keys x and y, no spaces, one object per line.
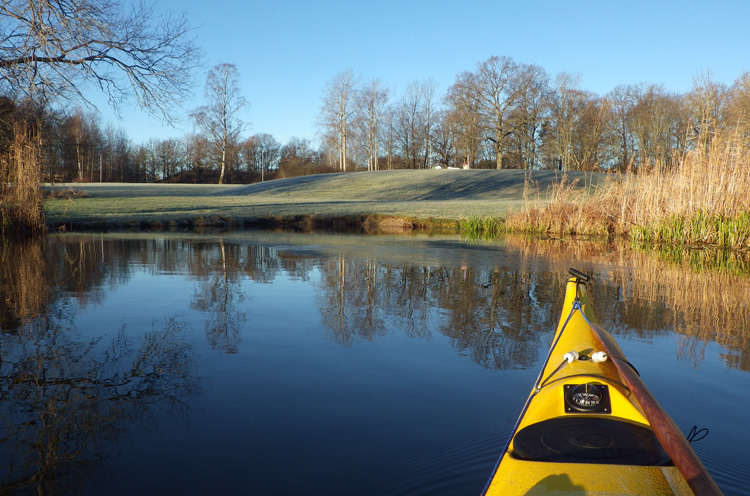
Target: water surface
{"x":259,"y":363}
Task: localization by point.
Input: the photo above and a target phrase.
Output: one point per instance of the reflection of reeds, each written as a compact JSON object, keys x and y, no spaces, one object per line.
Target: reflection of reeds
{"x":22,"y":282}
{"x":702,"y":199}
{"x":707,"y":305}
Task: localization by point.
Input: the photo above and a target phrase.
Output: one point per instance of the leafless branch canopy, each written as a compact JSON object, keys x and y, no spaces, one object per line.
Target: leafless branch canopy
{"x":54,"y":48}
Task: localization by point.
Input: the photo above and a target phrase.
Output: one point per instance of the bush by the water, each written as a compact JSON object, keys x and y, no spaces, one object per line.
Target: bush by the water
{"x":480,"y":227}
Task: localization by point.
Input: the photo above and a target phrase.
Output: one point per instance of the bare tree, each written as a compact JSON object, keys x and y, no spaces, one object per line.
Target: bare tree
{"x":532,"y":88}
{"x":371,"y":103}
{"x":463,"y":113}
{"x":496,"y":96}
{"x":564,"y":105}
{"x":78,"y":129}
{"x":261,"y":153}
{"x":588,"y":134}
{"x":739,"y":105}
{"x":707,"y":103}
{"x":220,"y":118}
{"x":485,"y":101}
{"x":622,"y":101}
{"x":169,"y":157}
{"x":337,"y":111}
{"x":197,"y":155}
{"x":428,"y":119}
{"x":444,"y":139}
{"x":54,"y":49}
{"x":414,"y":116}
{"x":655,"y":117}
{"x":57,"y":50}
{"x":388,"y":134}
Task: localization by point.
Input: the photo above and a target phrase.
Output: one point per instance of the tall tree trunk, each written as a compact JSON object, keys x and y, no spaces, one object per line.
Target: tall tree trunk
{"x":223,"y":164}
{"x":499,"y":150}
{"x":343,"y":148}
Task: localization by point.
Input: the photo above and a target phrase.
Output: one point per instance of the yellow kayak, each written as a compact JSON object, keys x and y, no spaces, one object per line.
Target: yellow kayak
{"x":590,"y":426}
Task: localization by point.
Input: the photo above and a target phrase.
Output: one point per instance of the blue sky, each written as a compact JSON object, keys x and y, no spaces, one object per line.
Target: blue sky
{"x":286,"y":51}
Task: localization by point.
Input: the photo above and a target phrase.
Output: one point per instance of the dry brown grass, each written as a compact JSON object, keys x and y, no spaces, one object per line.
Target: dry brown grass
{"x":566,"y":211}
{"x":701,"y":198}
{"x":20,"y":179}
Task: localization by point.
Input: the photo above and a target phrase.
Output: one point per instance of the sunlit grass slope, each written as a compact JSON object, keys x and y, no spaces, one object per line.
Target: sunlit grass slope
{"x":428,"y":194}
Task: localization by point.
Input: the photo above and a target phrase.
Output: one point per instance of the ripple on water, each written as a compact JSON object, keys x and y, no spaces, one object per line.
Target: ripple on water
{"x":730,"y":472}
{"x":444,"y":466}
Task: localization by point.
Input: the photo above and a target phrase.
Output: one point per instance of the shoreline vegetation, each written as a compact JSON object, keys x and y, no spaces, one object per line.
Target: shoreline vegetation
{"x":699,"y":199}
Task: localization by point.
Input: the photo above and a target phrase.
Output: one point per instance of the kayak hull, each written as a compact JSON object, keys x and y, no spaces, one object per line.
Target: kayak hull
{"x":584,"y":428}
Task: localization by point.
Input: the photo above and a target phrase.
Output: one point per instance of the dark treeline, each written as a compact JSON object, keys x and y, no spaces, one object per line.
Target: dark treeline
{"x":77,"y":147}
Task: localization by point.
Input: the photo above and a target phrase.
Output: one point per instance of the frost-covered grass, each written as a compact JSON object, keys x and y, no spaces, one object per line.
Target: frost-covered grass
{"x":427,"y":194}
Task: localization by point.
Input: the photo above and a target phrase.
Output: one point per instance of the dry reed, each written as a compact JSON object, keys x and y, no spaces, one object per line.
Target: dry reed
{"x":564,"y":211}
{"x":20,"y":179}
{"x":699,"y":199}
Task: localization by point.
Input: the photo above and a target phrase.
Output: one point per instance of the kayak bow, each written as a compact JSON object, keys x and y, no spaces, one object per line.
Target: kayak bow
{"x":590,"y":425}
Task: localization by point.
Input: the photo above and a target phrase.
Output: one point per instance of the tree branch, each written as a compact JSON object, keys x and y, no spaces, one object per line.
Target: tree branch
{"x":55,"y":48}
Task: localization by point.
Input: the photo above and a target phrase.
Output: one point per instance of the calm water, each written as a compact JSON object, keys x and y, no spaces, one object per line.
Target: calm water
{"x":261,"y":363}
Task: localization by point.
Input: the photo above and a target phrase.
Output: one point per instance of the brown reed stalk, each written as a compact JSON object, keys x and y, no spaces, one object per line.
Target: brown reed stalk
{"x":20,"y":182}
{"x":699,"y":197}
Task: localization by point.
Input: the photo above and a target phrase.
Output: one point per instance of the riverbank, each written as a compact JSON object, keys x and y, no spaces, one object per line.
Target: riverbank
{"x":389,"y":201}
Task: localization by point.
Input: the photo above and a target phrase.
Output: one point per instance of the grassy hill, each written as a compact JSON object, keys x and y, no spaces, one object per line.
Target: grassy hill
{"x":409,"y":196}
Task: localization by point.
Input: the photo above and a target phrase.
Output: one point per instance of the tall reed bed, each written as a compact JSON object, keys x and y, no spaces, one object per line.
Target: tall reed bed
{"x":567,"y":209}
{"x":20,"y":182}
{"x":702,"y":198}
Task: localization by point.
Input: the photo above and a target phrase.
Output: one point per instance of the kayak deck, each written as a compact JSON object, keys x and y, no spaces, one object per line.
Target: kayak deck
{"x":582,"y":431}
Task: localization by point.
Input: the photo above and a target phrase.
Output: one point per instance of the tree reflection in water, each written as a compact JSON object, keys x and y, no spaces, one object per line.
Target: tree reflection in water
{"x":64,"y":397}
{"x":700,"y":295}
{"x":491,"y":314}
{"x":219,"y":295}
